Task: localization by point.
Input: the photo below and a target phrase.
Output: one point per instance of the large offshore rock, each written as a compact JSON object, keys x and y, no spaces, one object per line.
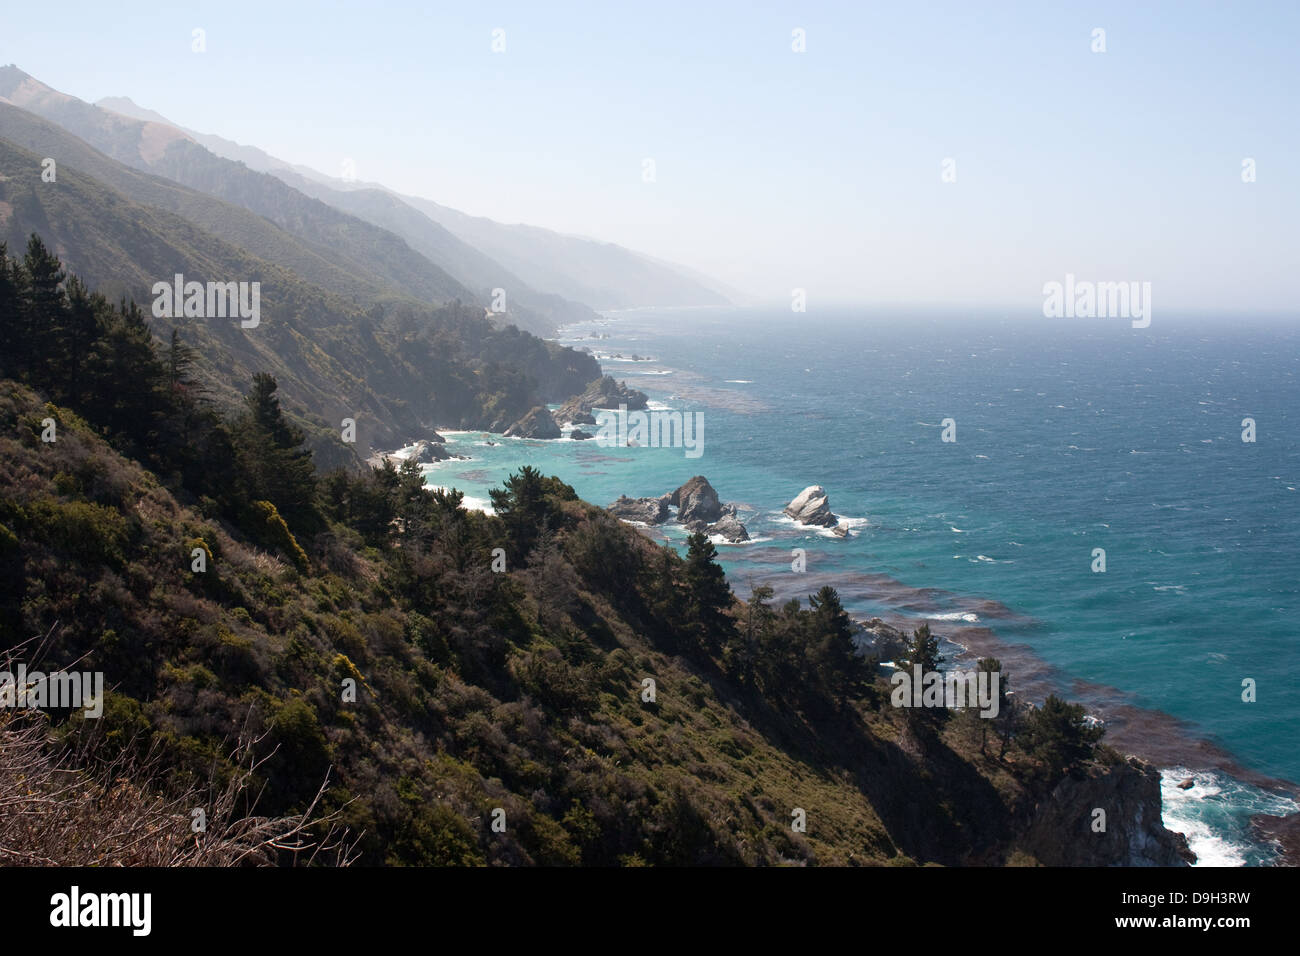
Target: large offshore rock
{"x":538,"y":423}
{"x":696,"y":501}
{"x":602,"y":393}
{"x":811,"y":506}
{"x":426,"y":452}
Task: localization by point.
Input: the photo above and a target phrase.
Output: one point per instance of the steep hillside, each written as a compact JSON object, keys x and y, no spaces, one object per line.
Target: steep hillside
{"x":520,"y":691}
{"x":168,"y":152}
{"x":447,"y":696}
{"x":256,"y":234}
{"x":396,"y":369}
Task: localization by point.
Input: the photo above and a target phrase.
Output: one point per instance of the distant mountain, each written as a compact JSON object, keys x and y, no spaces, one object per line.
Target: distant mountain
{"x":535,"y":311}
{"x":327,"y":268}
{"x":252,"y":157}
{"x":367,"y":250}
{"x":479,"y":272}
{"x":600,"y":274}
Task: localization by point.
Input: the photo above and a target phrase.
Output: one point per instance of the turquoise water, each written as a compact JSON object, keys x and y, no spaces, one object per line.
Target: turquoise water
{"x":1071,"y":435}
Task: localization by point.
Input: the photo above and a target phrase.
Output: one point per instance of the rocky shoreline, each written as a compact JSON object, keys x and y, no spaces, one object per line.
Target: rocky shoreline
{"x":698,"y":509}
{"x":424,"y":451}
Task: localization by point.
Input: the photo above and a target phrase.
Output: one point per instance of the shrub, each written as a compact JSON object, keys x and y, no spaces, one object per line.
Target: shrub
{"x":272,"y":531}
{"x":88,"y":531}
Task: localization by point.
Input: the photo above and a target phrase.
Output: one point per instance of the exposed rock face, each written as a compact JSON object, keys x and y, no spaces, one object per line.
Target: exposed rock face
{"x":812,"y":507}
{"x":427,"y":451}
{"x":536,"y":424}
{"x":881,"y":640}
{"x":1061,"y":834}
{"x":648,"y":510}
{"x":696,"y":501}
{"x":698,"y":510}
{"x":730,"y":528}
{"x":602,"y":393}
{"x":579,"y":435}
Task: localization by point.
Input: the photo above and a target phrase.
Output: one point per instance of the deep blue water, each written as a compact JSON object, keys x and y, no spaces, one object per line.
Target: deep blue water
{"x":1071,"y":435}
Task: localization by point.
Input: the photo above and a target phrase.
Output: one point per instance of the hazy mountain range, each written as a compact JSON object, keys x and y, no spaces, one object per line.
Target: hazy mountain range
{"x":410,"y":245}
{"x":601,"y":274}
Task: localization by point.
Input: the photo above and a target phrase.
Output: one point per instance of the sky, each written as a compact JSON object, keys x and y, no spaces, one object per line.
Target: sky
{"x":774,"y":170}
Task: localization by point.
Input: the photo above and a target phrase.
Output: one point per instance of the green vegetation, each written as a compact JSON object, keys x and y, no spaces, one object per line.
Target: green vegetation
{"x":352,"y":626}
{"x":1058,"y":738}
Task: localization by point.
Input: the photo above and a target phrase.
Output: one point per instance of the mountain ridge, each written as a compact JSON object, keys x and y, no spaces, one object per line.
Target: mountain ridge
{"x":678,"y":285}
{"x":168,"y":152}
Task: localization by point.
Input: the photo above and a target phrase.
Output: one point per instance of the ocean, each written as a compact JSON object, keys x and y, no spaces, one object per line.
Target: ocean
{"x":1071,"y":435}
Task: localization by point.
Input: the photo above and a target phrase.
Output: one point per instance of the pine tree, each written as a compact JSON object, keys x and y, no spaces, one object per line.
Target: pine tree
{"x":275,"y":464}
{"x":180,"y":359}
{"x":125,"y":380}
{"x":839,"y":668}
{"x":923,"y":651}
{"x":41,"y":306}
{"x":742,"y":653}
{"x":521,"y":504}
{"x":70,"y":344}
{"x":11,"y":328}
{"x":707,"y":594}
{"x":1057,"y":736}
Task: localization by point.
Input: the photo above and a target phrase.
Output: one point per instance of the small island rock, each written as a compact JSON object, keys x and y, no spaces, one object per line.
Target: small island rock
{"x":602,"y":393}
{"x":812,"y":507}
{"x":696,"y":501}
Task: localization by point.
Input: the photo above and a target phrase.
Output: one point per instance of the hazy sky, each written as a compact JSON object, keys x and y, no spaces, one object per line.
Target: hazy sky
{"x":774,"y":169}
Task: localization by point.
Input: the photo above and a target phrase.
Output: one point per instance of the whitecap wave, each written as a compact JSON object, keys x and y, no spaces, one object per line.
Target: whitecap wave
{"x":1215,"y":815}
{"x":781,"y":518}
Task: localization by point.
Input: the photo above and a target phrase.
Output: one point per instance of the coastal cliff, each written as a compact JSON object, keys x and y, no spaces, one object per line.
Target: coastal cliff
{"x":1067,"y":827}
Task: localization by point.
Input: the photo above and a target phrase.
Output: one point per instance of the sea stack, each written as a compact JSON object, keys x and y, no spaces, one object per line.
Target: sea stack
{"x":604,"y":392}
{"x":696,"y":501}
{"x":812,"y":507}
{"x":536,"y":424}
